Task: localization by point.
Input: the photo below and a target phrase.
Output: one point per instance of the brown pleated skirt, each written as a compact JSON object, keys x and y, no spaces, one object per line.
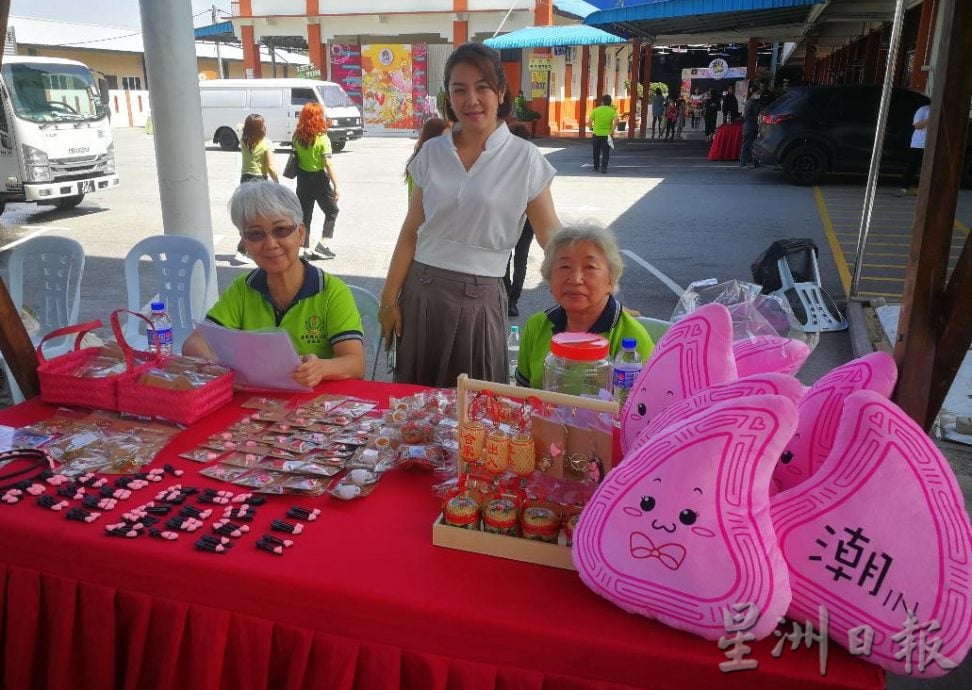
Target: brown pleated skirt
{"x":452,"y":323}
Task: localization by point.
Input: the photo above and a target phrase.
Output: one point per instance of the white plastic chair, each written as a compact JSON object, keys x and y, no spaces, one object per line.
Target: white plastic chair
{"x":367,"y":305}
{"x":813,"y":308}
{"x":57,"y":263}
{"x":656,"y":327}
{"x":174,"y":258}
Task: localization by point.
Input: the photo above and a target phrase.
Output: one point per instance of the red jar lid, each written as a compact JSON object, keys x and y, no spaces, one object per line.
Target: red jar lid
{"x":580,"y":347}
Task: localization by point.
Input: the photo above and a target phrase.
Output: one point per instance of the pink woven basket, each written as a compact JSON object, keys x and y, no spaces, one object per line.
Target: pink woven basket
{"x":169,"y":404}
{"x":59,"y":382}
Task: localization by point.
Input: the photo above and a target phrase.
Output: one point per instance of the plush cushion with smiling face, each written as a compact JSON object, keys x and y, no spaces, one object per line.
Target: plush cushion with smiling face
{"x":763,"y":354}
{"x":758,"y":384}
{"x":819,"y":411}
{"x":880,"y":531}
{"x":693,"y":354}
{"x":680,"y":529}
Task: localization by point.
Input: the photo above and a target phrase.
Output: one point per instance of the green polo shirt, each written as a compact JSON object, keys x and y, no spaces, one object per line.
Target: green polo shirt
{"x":311,"y":158}
{"x":614,"y":323}
{"x":603,"y":118}
{"x":322,"y":314}
{"x":253,"y":159}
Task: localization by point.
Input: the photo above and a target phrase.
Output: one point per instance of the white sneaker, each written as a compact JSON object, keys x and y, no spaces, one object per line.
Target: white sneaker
{"x":242,"y":258}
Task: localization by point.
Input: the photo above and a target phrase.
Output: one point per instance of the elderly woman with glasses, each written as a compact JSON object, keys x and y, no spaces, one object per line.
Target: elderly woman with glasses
{"x":315,"y":308}
{"x":582,"y":266}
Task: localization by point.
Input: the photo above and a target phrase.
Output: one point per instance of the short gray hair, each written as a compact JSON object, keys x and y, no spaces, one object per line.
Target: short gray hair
{"x":599,"y":236}
{"x":263,"y":198}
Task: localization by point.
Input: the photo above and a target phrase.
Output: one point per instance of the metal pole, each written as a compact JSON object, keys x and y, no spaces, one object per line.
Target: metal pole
{"x":170,"y":59}
{"x":882,"y":121}
{"x":219,"y":54}
{"x":774,"y":62}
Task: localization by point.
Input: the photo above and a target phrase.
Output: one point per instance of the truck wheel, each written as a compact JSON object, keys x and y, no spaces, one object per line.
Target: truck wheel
{"x":805,"y":165}
{"x":64,"y":203}
{"x":338,"y":146}
{"x":227,"y":139}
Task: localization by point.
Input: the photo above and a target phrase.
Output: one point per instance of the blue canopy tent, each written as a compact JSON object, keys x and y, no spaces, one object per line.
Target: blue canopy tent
{"x":551,"y":36}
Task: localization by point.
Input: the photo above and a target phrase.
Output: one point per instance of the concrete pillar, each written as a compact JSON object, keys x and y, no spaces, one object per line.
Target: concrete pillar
{"x":926,"y":29}
{"x":251,"y":51}
{"x":460,"y":26}
{"x":810,"y":60}
{"x":316,"y":50}
{"x":542,"y":16}
{"x":585,"y":81}
{"x":170,"y":58}
{"x":645,"y":88}
{"x":751,"y":59}
{"x":601,"y":59}
{"x":543,"y":13}
{"x":633,"y":86}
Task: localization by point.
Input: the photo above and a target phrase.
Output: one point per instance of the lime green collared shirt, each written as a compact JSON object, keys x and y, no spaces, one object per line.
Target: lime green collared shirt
{"x":311,"y":158}
{"x":614,"y":323}
{"x":322,"y":314}
{"x":603,"y":118}
{"x":254,"y":160}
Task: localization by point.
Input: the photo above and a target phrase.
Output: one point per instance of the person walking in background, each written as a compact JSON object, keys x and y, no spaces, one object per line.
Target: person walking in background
{"x":520,"y":253}
{"x":671,"y":117}
{"x":680,"y":124}
{"x":730,"y":105}
{"x":695,"y":103}
{"x":603,"y":121}
{"x":316,"y":182}
{"x":917,"y":150}
{"x":750,"y":127}
{"x":432,"y":128}
{"x":710,"y":113}
{"x":257,"y":152}
{"x":657,"y":112}
{"x":444,"y":301}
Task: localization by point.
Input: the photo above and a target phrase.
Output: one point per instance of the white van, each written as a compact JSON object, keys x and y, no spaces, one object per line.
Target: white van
{"x":55,"y":138}
{"x":227,"y":102}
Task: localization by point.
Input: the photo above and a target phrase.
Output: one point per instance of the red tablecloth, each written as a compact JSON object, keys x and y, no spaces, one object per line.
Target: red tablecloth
{"x":363,"y":600}
{"x":727,"y":143}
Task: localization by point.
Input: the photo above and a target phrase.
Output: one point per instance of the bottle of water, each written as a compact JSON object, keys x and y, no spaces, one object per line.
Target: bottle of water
{"x":627,"y":366}
{"x":161,"y":337}
{"x":513,"y":351}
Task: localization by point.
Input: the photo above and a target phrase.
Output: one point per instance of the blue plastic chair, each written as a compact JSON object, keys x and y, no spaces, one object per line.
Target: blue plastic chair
{"x":367,"y":305}
{"x":174,"y":258}
{"x":56,"y":263}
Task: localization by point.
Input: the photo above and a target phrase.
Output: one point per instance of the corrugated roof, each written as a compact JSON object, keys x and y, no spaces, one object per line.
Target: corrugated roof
{"x":58,"y":34}
{"x":550,"y":36}
{"x":645,"y":18}
{"x":576,"y":8}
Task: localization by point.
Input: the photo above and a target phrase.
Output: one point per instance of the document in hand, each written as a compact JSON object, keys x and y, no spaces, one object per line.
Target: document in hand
{"x":261,"y":359}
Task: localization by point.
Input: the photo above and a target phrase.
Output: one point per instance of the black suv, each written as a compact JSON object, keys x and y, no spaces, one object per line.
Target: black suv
{"x":813,"y":130}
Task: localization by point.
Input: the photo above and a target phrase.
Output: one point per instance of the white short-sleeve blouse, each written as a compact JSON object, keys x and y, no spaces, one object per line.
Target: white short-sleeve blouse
{"x":474,"y":218}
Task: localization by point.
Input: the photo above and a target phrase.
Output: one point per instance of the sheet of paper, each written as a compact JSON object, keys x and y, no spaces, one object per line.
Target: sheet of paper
{"x":261,"y":359}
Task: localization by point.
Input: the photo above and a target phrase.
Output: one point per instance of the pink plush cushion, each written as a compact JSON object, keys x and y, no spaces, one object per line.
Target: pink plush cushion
{"x":759,"y":384}
{"x":695,"y":353}
{"x":763,"y":354}
{"x":881,"y":529}
{"x":680,"y":530}
{"x":820,"y":411}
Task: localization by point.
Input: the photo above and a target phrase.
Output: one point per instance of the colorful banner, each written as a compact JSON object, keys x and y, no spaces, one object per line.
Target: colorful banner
{"x":423,"y":106}
{"x":345,"y":62}
{"x":386,"y":86}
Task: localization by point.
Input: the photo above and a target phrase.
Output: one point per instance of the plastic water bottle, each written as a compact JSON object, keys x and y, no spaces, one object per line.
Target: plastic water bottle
{"x":627,"y":366}
{"x":513,"y":351}
{"x":161,"y":337}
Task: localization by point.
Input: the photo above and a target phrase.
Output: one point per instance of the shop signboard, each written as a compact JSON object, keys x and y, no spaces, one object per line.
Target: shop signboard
{"x":308,"y":72}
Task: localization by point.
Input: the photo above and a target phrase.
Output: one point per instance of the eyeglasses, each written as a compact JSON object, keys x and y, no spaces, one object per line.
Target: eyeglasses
{"x":279,"y":232}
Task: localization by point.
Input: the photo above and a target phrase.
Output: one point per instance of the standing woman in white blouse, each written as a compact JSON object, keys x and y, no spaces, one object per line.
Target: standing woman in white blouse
{"x":474,"y":187}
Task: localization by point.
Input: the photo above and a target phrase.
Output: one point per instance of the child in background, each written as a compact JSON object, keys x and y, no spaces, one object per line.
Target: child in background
{"x":432,"y":128}
{"x":257,"y":154}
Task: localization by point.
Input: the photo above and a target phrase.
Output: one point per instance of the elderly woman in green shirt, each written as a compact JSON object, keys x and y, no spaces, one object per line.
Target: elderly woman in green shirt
{"x":582,"y":267}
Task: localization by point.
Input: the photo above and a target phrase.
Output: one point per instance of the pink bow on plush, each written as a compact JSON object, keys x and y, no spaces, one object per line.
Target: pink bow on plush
{"x":670,"y":555}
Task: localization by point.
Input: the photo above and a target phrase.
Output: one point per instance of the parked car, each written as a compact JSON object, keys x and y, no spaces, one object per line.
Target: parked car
{"x":812,"y":130}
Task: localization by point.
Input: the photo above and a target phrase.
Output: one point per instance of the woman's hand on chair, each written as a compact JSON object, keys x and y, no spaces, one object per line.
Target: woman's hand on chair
{"x":390,"y":317}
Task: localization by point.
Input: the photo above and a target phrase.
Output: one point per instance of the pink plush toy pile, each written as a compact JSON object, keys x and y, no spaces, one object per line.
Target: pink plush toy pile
{"x":868,"y":526}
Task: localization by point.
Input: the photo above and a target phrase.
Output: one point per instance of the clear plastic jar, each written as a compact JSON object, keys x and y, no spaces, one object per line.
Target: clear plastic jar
{"x":578,"y":364}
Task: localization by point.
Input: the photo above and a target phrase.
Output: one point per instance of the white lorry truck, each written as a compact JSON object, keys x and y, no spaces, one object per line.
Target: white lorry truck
{"x":227,"y":102}
{"x":55,"y":138}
